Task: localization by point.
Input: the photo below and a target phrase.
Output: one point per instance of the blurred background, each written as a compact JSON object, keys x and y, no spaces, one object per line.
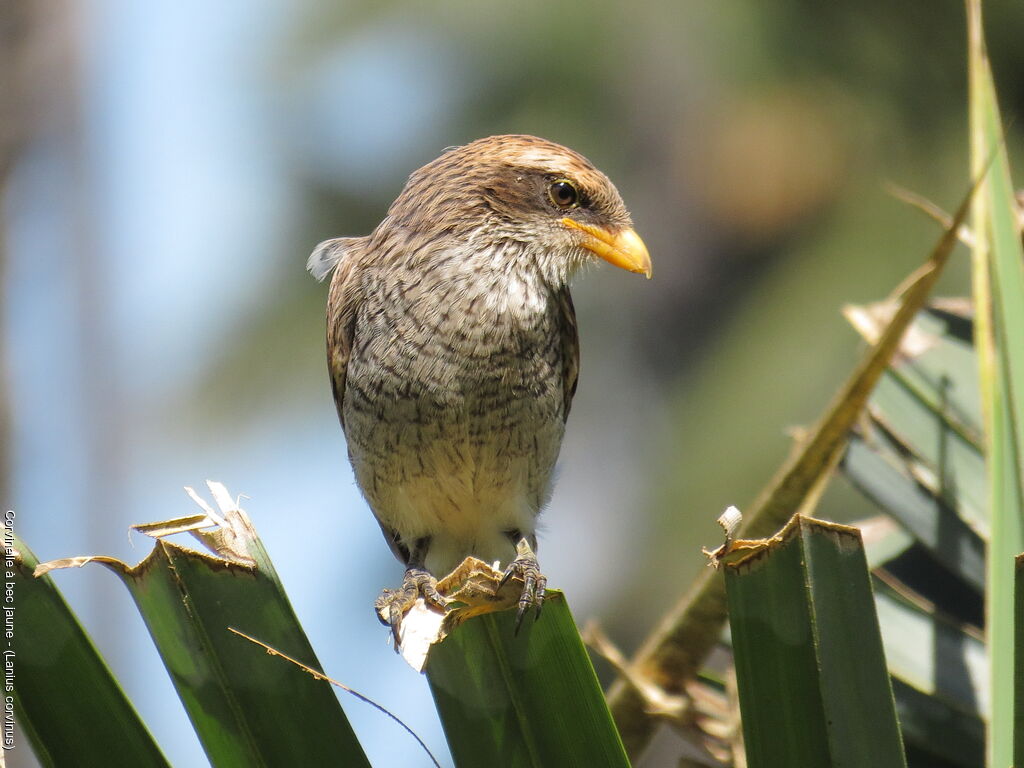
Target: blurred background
{"x":168,"y":166}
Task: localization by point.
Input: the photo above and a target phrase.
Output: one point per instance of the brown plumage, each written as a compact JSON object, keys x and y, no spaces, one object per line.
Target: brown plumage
{"x":452,"y":349}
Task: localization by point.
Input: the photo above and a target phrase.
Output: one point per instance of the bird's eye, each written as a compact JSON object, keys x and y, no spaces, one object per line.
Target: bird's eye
{"x":564,"y":194}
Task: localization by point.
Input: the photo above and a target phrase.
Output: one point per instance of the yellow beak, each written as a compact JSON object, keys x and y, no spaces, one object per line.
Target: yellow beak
{"x":624,"y":248}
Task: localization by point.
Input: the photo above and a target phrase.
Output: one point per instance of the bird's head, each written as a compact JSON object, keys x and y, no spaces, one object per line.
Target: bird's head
{"x":527,"y":191}
{"x":513,"y":197}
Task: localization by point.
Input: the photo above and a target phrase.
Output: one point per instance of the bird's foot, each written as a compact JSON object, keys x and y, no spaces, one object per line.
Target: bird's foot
{"x":393,"y":604}
{"x":526,"y":567}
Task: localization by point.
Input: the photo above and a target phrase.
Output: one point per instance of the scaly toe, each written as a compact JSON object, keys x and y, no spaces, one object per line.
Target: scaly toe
{"x":393,"y":604}
{"x":525,"y":566}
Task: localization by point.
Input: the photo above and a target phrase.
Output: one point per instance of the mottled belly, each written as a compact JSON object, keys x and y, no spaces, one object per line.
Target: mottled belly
{"x":463,"y":463}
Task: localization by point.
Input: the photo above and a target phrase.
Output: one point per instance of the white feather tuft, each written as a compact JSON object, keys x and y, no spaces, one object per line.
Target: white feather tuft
{"x":325,"y":257}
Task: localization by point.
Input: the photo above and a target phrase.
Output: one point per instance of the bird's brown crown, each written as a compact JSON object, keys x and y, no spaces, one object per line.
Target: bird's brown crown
{"x":510,"y":177}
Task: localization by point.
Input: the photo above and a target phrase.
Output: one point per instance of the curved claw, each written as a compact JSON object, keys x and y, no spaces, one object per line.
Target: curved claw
{"x":393,"y":604}
{"x":526,"y":567}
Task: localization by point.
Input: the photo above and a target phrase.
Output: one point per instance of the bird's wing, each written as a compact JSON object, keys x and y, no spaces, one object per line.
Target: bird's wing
{"x":343,"y":303}
{"x":570,"y":347}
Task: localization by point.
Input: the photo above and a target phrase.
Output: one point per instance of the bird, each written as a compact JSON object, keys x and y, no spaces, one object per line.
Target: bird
{"x":453,"y":352}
